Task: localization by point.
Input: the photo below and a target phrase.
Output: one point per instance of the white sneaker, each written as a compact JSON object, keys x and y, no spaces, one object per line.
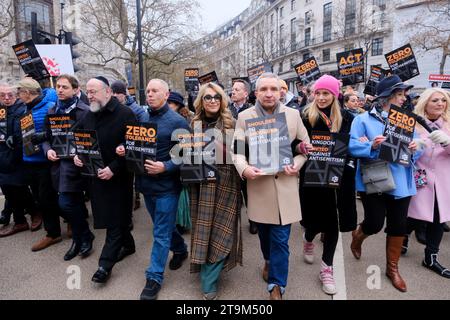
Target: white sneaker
{"x":327,"y":279}
{"x":308,"y":251}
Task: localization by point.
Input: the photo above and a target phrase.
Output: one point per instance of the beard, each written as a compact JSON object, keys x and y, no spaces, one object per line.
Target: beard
{"x":95,"y":106}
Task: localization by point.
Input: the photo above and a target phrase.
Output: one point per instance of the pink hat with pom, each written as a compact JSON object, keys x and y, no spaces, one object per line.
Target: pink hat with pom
{"x":329,"y":83}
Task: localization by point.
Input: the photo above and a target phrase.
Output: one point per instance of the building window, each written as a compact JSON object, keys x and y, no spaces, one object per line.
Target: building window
{"x":271,"y":19}
{"x":327,"y":15}
{"x":292,"y":5}
{"x":280,"y":67}
{"x":380,"y":3}
{"x":291,"y":61}
{"x":282,"y":38}
{"x":306,"y":56}
{"x":308,"y":17}
{"x":377,"y":47}
{"x":281,"y":12}
{"x":44,"y":13}
{"x":326,"y":55}
{"x":349,"y":47}
{"x":293,"y":34}
{"x":271,"y":40}
{"x":350,"y":17}
{"x":307,"y":36}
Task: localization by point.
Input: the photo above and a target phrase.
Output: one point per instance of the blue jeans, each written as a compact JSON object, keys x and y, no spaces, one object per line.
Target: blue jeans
{"x":163,"y":210}
{"x":274,"y":240}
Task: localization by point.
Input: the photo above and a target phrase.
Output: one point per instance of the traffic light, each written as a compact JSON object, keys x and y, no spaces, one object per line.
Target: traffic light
{"x":36,"y":34}
{"x":71,"y":40}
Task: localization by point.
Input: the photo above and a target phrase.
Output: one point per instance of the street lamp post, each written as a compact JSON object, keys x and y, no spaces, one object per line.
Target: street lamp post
{"x":61,"y":31}
{"x":141,"y":63}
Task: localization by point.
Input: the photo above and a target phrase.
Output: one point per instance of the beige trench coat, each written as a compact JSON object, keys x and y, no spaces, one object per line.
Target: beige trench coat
{"x":273,"y":199}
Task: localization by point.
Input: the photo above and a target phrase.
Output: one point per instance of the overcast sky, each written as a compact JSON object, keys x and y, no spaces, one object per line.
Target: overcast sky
{"x":216,"y":12}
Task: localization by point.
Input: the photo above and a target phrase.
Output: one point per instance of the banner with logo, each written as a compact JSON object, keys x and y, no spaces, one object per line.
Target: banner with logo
{"x":254,"y":72}
{"x":351,"y":66}
{"x":88,"y":150}
{"x":57,"y":58}
{"x":439,"y":81}
{"x":307,"y":70}
{"x":62,"y":141}
{"x":269,"y":144}
{"x":399,"y":133}
{"x":326,"y":162}
{"x":3,"y":124}
{"x":140,"y":145}
{"x":191,"y":84}
{"x":28,"y":130}
{"x":199,"y":156}
{"x":207,"y":78}
{"x":30,"y":60}
{"x":403,"y":62}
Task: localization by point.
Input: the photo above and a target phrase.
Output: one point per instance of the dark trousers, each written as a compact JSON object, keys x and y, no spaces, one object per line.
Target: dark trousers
{"x":330,"y":240}
{"x":116,"y":238}
{"x":16,"y":196}
{"x":73,"y":207}
{"x":434,"y":231}
{"x":38,"y":175}
{"x":377,"y":208}
{"x":7,"y":206}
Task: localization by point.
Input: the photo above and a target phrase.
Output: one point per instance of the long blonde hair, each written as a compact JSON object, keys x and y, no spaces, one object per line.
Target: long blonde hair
{"x":224,"y":113}
{"x":425,"y":98}
{"x":312,"y":113}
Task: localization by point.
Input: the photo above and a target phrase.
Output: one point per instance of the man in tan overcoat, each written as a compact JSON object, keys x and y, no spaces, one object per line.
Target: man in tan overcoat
{"x":273,"y":200}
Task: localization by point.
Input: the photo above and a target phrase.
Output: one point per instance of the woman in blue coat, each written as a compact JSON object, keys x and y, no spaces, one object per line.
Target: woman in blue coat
{"x":366,"y":137}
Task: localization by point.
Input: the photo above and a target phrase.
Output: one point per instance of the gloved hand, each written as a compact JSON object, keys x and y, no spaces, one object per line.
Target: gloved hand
{"x":421,"y":144}
{"x":440,"y":137}
{"x":10,"y":142}
{"x":38,"y":138}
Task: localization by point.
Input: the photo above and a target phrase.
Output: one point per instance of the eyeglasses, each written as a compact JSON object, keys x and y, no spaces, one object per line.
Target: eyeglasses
{"x":6,"y":95}
{"x":209,"y":98}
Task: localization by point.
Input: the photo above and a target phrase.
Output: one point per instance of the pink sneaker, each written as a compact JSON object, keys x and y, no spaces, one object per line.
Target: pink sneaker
{"x":327,"y":279}
{"x":308,"y":251}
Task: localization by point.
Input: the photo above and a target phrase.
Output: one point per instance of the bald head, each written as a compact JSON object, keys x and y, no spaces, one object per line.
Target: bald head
{"x":157,"y":93}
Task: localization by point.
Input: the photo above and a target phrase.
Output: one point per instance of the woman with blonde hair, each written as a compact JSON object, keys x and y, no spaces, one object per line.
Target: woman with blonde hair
{"x":326,"y":210}
{"x":432,"y":200}
{"x":215,"y":205}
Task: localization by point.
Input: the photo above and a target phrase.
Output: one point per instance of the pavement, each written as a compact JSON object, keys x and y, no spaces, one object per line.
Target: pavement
{"x":44,"y":275}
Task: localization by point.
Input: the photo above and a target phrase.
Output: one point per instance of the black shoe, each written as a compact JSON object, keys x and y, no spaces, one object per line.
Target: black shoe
{"x":405,"y":245}
{"x":73,"y":251}
{"x":86,"y":246}
{"x":101,"y":275}
{"x":124,"y":252}
{"x":177,"y":260}
{"x":253,"y":228}
{"x":151,"y":290}
{"x":421,"y":236}
{"x":435,"y":266}
{"x":5,"y":217}
{"x":446,"y":227}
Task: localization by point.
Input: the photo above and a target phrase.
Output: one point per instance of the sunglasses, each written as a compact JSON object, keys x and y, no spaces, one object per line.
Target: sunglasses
{"x":209,"y":98}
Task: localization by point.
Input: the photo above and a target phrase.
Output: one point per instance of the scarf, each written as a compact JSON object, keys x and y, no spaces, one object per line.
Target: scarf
{"x":262,"y":112}
{"x":65,"y":106}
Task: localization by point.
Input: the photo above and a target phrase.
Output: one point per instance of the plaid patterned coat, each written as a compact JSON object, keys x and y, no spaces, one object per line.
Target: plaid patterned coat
{"x":216,"y":220}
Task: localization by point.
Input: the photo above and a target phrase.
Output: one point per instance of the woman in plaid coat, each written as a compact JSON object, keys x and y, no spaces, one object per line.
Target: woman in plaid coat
{"x":215,"y":205}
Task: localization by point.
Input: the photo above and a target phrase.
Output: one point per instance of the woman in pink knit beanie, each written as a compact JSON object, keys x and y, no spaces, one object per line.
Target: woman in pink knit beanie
{"x":325,"y":210}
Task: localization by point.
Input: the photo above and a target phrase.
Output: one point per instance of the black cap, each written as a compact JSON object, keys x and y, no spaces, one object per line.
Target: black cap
{"x":102,"y":79}
{"x":119,"y":87}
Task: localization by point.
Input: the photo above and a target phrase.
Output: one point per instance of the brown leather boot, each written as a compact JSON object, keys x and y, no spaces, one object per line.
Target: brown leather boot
{"x":275,"y":294}
{"x":265,"y":273}
{"x":393,"y":251}
{"x":357,"y":239}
